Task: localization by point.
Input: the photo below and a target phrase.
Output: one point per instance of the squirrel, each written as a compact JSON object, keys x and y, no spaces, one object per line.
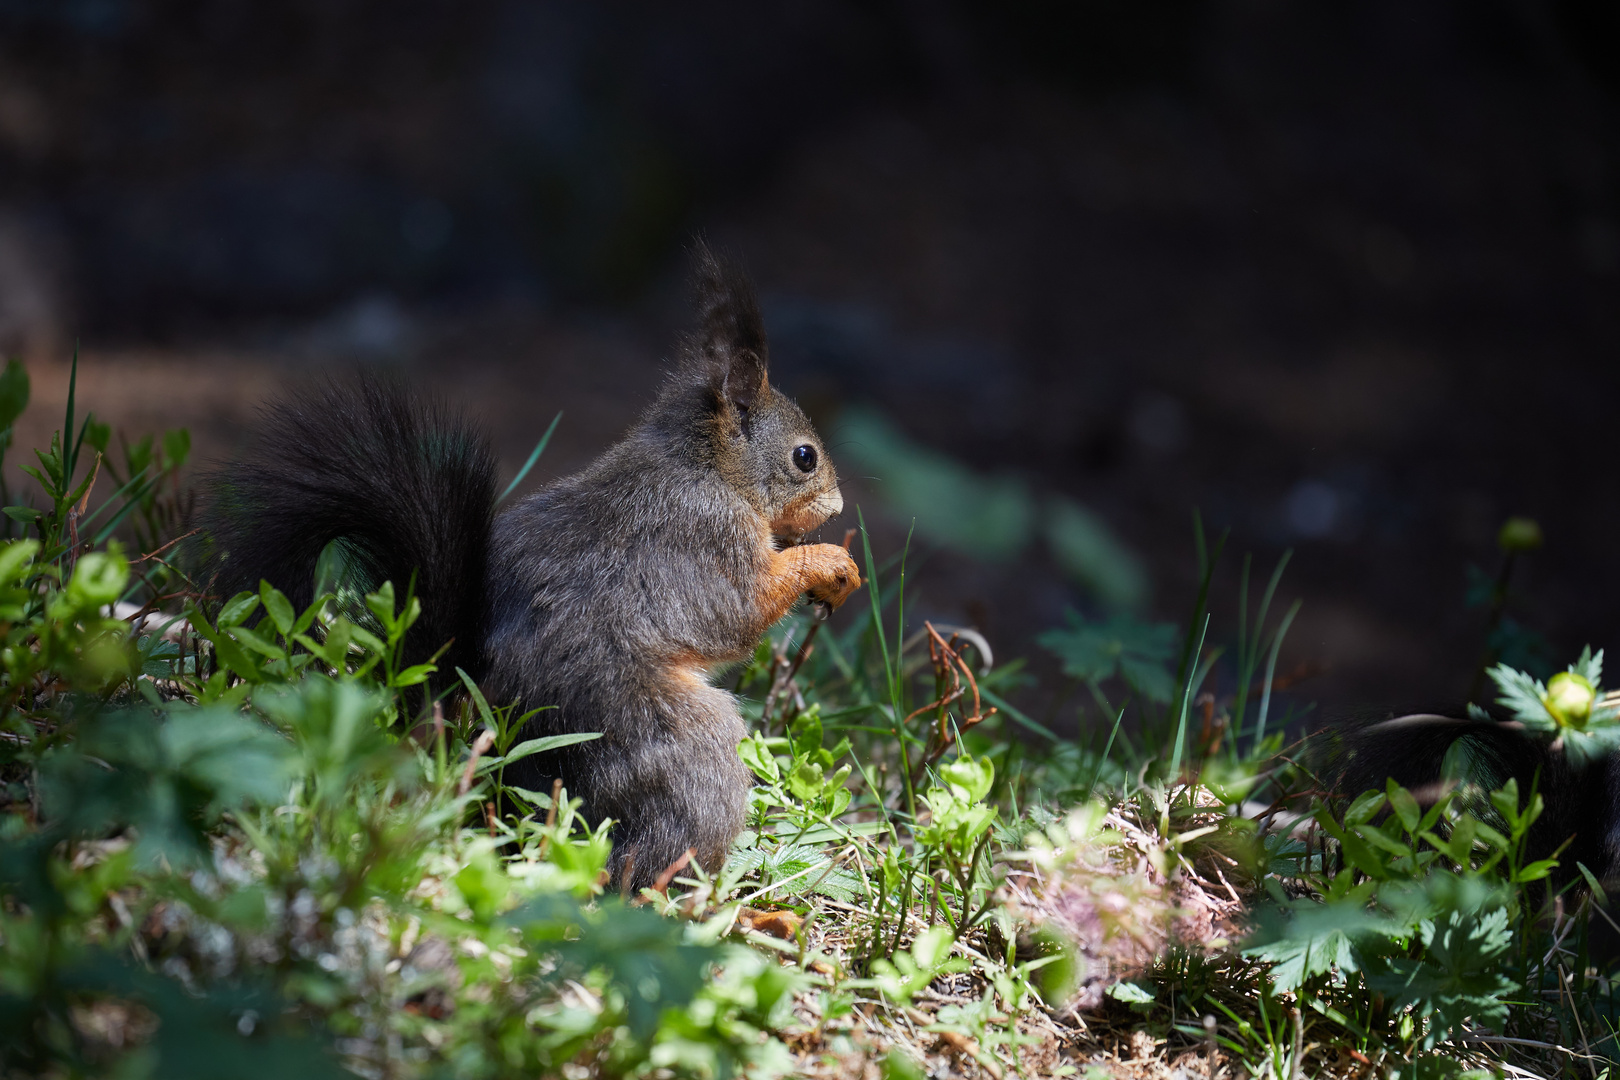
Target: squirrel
{"x":604,"y":599}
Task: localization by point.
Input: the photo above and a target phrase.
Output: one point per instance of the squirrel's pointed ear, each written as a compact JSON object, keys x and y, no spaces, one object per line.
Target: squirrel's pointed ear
{"x":744,"y":380}
{"x":731,"y":331}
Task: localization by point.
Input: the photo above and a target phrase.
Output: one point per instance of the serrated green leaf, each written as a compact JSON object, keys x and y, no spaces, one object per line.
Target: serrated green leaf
{"x":1138,"y":651}
{"x":1522,"y":696}
{"x":1458,"y":979}
{"x":1589,"y":666}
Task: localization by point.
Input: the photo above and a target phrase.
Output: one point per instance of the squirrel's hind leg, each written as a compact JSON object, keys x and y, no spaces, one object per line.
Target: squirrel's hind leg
{"x":680,"y":786}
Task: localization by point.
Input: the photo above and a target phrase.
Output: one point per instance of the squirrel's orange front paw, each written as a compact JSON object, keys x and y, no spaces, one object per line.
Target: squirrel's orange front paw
{"x":830,"y":574}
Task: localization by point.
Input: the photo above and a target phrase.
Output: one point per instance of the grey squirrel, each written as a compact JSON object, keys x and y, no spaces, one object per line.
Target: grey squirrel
{"x":603,"y":599}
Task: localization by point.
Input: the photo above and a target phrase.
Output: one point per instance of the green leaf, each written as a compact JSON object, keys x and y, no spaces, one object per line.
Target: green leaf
{"x":484,"y":711}
{"x":236,"y":610}
{"x":644,"y":956}
{"x":1405,"y":806}
{"x":1138,"y":651}
{"x":381,"y":603}
{"x":758,"y":757}
{"x":1592,"y":883}
{"x":16,"y":558}
{"x":257,"y":643}
{"x":233,"y":656}
{"x":973,"y":778}
{"x":13,"y":392}
{"x":167,"y":776}
{"x":176,"y":448}
{"x":96,"y":433}
{"x":98,"y":580}
{"x":1380,"y":839}
{"x":1364,"y":808}
{"x":805,"y":781}
{"x":1307,"y":939}
{"x":24,"y":514}
{"x":1536,"y":871}
{"x":278,"y":607}
{"x":1589,"y":667}
{"x":530,"y":747}
{"x":414,"y":675}
{"x":1506,"y":801}
{"x":1459,"y":979}
{"x":484,"y":884}
{"x":932,"y":946}
{"x":1522,"y":696}
{"x":1130,"y":994}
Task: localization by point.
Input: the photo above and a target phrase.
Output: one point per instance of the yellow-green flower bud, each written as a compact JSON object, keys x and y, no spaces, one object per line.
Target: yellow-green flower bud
{"x":1569,"y":699}
{"x":1519,"y":534}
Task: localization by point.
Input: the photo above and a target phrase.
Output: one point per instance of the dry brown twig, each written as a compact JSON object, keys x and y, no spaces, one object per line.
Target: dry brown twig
{"x":485,"y":740}
{"x":950,"y":671}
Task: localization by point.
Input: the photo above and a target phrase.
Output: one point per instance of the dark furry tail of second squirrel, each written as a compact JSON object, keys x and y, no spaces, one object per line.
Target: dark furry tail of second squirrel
{"x":400,"y":485}
{"x":1427,"y":752}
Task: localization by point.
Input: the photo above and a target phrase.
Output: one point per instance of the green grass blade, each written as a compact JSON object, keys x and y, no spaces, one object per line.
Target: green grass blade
{"x":1022,"y":719}
{"x":1271,"y":671}
{"x":539,"y":448}
{"x":1245,"y":659}
{"x":1108,"y":749}
{"x":873,"y":591}
{"x":1178,"y":747}
{"x":71,"y":455}
{"x":115,"y":496}
{"x":117,"y":519}
{"x":1207,"y":562}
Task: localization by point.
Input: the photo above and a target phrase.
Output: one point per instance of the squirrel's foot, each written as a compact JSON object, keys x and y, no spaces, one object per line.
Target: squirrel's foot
{"x":831,"y":574}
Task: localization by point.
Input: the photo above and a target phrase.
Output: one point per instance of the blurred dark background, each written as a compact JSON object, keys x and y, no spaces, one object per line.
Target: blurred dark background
{"x":1341,"y":276}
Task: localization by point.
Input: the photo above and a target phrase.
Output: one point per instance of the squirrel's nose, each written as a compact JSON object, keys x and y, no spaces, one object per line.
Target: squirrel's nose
{"x":830,"y":503}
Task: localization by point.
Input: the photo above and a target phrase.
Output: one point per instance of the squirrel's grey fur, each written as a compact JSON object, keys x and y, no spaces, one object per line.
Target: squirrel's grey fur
{"x":604,"y":598}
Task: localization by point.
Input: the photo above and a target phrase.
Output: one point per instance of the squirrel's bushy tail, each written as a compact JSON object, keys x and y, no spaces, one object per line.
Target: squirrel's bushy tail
{"x":1418,"y":749}
{"x":403,"y":483}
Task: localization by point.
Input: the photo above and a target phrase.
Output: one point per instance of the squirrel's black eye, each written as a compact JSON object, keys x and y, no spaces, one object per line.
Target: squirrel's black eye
{"x":805,"y":457}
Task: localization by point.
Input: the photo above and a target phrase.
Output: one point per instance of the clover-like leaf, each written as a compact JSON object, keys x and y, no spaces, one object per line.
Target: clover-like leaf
{"x":1138,"y":652}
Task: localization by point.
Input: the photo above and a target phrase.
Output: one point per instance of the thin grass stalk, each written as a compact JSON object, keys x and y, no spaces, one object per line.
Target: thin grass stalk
{"x":534,"y":456}
{"x":1179,"y":745}
{"x":1250,"y":647}
{"x":891,"y":662}
{"x":1271,"y":672}
{"x":1206,"y":572}
{"x":1108,"y":749}
{"x":1244,"y":657}
{"x":70,"y":455}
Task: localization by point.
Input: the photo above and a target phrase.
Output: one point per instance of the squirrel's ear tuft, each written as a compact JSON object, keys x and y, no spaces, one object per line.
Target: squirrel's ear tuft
{"x":731,"y":331}
{"x":744,"y":380}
